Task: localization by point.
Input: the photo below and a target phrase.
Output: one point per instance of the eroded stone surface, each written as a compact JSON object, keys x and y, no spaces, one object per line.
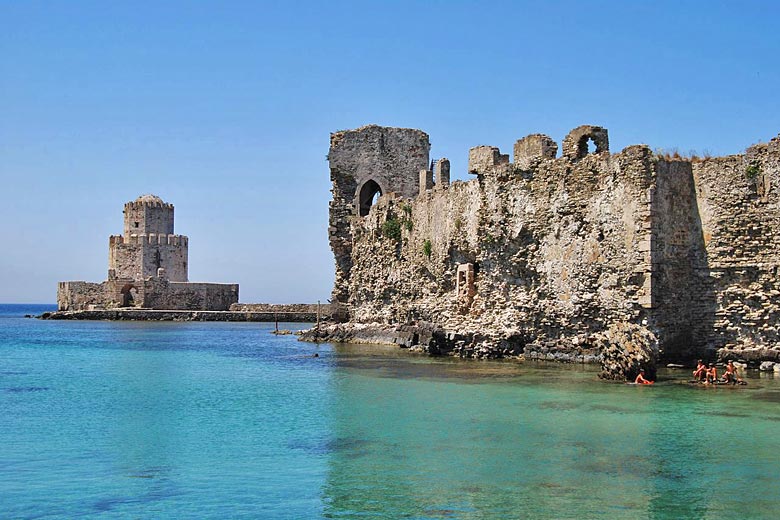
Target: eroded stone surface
{"x":564,"y":249}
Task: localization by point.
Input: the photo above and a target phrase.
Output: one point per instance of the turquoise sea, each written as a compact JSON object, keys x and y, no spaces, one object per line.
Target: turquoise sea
{"x":225,"y":420}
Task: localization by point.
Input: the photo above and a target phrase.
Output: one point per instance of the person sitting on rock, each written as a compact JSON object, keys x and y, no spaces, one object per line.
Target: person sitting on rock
{"x":712,"y":374}
{"x":640,"y":378}
{"x":700,"y":374}
{"x":730,"y":375}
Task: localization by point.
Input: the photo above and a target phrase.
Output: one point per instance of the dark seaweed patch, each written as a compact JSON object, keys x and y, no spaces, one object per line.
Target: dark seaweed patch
{"x":25,"y":389}
{"x":772,"y":397}
{"x":325,"y":446}
{"x":557,"y":405}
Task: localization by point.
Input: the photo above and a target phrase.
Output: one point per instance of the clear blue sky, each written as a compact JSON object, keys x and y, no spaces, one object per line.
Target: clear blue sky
{"x":225,"y":109}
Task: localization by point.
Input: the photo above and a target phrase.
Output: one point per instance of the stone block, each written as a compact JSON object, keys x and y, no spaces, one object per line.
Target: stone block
{"x":441,"y":173}
{"x":484,"y":159}
{"x":426,"y":181}
{"x":532,"y":148}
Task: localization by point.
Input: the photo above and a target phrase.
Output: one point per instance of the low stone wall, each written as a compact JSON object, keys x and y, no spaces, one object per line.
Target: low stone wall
{"x":80,"y":295}
{"x":153,"y":293}
{"x":325,"y":310}
{"x":163,"y":295}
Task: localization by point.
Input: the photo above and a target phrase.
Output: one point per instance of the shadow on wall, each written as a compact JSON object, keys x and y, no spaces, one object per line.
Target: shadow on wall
{"x":684,"y":302}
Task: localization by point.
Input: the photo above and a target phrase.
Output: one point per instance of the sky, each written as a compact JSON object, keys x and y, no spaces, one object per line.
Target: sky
{"x":225,"y":109}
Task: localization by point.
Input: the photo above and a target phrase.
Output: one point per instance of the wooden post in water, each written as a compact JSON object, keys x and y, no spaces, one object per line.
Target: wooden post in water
{"x":276,"y":321}
{"x":318,"y":318}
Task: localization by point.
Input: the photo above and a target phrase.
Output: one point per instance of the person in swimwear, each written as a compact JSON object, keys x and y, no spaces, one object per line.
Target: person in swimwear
{"x":700,"y":374}
{"x":730,"y":375}
{"x":712,"y":374}
{"x":640,"y":378}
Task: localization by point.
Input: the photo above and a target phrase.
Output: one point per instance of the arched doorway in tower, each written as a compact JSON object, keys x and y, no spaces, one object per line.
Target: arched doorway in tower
{"x":128,"y":293}
{"x":369,"y":193}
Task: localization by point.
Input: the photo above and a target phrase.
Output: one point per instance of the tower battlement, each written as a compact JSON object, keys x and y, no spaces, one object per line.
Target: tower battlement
{"x":151,"y":238}
{"x":148,"y":214}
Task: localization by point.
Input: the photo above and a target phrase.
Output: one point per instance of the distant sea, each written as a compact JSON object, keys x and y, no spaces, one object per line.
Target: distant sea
{"x":226,"y":420}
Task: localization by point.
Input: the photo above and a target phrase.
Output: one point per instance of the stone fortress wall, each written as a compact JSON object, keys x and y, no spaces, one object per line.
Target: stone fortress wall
{"x":147,"y":268}
{"x":558,"y":257}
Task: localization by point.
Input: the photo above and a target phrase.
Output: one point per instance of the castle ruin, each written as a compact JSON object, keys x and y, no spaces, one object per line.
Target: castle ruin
{"x":147,"y":268}
{"x":557,"y":257}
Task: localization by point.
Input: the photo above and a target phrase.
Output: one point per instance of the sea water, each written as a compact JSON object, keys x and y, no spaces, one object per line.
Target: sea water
{"x":226,"y":420}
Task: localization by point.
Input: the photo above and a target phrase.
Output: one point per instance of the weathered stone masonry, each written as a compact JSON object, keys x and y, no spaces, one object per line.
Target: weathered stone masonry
{"x":147,"y":268}
{"x":561,"y":257}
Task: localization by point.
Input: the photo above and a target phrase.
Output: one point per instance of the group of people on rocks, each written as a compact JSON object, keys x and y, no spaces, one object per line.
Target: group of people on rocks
{"x":705,"y":374}
{"x":709,"y":374}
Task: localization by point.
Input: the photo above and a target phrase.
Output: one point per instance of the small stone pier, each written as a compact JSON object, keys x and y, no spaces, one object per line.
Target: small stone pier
{"x":254,"y":312}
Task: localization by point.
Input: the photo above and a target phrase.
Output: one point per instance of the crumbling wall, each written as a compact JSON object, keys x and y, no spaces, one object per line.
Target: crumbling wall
{"x":739,"y":206}
{"x":363,"y":162}
{"x":555,"y":245}
{"x":563,"y":253}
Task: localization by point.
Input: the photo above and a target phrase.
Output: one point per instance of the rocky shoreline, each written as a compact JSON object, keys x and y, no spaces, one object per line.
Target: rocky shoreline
{"x":621,"y":351}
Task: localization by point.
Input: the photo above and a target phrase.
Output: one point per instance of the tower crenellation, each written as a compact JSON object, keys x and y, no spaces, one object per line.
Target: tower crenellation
{"x":148,"y":214}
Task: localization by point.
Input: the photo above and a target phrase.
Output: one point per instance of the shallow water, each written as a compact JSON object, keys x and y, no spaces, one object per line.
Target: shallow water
{"x":225,"y":420}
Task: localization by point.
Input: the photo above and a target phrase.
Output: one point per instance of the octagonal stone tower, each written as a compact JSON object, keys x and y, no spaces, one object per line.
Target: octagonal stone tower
{"x":148,"y":246}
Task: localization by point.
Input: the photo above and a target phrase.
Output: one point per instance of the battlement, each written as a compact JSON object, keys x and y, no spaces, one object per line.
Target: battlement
{"x":148,"y":204}
{"x":150,"y":201}
{"x":146,"y":215}
{"x":159,"y":239}
{"x":151,"y":238}
{"x":537,"y":147}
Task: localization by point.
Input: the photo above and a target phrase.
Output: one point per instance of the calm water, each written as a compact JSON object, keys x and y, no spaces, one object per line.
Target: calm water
{"x":215,"y":420}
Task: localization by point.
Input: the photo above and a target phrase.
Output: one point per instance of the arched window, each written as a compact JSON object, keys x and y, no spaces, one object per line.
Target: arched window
{"x":368,"y":196}
{"x":587,"y":145}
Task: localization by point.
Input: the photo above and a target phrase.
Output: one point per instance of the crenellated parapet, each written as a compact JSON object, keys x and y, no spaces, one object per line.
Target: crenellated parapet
{"x":141,"y":203}
{"x":532,"y":148}
{"x":484,"y":159}
{"x":151,"y":239}
{"x":148,"y":214}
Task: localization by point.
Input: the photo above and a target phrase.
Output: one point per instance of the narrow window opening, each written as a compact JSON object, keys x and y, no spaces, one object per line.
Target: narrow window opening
{"x":369,"y":194}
